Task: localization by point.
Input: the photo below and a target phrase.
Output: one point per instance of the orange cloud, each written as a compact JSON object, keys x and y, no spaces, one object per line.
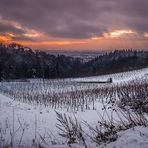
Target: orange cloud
{"x":108,"y":40}
{"x":119,"y":33}
{"x":33,"y":33}
{"x":115,"y":34}
{"x":64,"y":42}
{"x":51,"y":43}
{"x":96,"y":38}
{"x":5,"y":39}
{"x":146,"y":35}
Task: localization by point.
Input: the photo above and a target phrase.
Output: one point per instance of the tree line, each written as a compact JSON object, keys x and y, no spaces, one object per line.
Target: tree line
{"x":18,"y":62}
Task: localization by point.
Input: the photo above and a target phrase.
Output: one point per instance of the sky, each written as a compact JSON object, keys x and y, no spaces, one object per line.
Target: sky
{"x":75,"y":24}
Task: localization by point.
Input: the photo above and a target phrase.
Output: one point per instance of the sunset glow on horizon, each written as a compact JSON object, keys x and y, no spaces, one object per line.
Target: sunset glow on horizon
{"x":82,"y":25}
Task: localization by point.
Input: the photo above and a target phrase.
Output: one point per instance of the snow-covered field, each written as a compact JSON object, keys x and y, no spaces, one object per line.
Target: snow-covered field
{"x":28,"y":110}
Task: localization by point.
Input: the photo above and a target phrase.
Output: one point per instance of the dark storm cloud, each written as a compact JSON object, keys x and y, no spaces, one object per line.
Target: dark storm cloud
{"x":77,"y":18}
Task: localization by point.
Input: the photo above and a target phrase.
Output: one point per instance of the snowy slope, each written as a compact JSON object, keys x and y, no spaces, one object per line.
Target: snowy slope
{"x":46,"y":119}
{"x":40,"y":121}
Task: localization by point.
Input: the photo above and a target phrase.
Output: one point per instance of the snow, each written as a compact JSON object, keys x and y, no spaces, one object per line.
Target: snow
{"x":41,"y":120}
{"x":136,"y":137}
{"x":46,"y":120}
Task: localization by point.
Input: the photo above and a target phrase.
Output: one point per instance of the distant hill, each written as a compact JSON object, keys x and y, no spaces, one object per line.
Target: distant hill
{"x":84,"y":56}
